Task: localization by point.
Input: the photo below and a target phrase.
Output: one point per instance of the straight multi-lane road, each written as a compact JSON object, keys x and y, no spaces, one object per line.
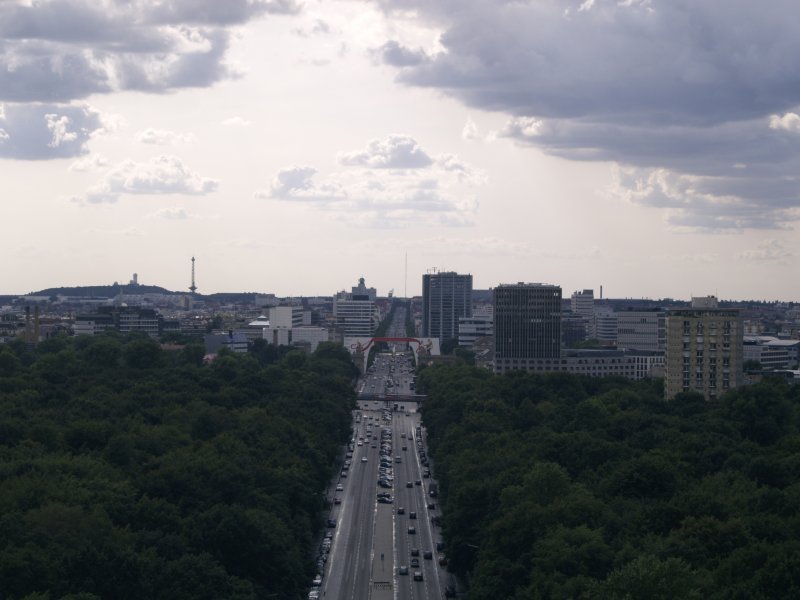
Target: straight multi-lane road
{"x":372,"y":541}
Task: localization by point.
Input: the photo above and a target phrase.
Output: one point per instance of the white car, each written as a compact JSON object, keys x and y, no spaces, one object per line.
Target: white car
{"x":363,"y":459}
{"x":339,"y":487}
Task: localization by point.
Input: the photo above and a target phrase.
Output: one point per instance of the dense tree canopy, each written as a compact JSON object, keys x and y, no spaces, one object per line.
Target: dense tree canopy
{"x":556,"y":486}
{"x":131,"y":472}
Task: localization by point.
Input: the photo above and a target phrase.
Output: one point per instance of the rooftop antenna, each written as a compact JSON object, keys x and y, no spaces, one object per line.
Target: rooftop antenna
{"x":193,"y":287}
{"x":405,"y":288}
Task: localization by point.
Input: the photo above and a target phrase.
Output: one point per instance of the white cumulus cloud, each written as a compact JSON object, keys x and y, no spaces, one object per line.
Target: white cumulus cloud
{"x":161,"y":175}
{"x":394,"y":183}
{"x":394,"y":152}
{"x":162,"y":137}
{"x":768,"y":250}
{"x":788,"y":122}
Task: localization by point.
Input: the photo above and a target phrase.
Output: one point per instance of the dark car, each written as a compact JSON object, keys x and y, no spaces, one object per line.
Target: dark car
{"x":412,"y":515}
{"x":331,"y":523}
{"x":415,"y":552}
{"x":427,"y":555}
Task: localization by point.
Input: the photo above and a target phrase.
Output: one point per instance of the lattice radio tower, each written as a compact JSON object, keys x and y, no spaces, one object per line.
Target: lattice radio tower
{"x":193,"y":287}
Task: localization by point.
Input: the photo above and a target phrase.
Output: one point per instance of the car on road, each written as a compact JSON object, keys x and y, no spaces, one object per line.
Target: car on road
{"x":402,"y":570}
{"x":412,"y":530}
{"x":317,"y":581}
{"x":384,"y":500}
{"x":409,"y":484}
{"x":415,"y":563}
{"x":363,"y":459}
{"x":339,"y":487}
{"x":417,"y":575}
{"x":443,"y":561}
{"x":418,"y":482}
{"x":337,"y":500}
{"x":415,"y":552}
{"x":427,"y":555}
{"x":401,"y":511}
{"x":412,"y":515}
{"x":431,"y":506}
{"x":331,"y":523}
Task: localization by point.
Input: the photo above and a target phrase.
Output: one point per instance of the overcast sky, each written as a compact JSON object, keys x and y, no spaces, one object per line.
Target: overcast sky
{"x":648,"y":146}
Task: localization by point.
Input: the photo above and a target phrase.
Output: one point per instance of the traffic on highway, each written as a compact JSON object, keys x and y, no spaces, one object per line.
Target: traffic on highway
{"x":382,"y":541}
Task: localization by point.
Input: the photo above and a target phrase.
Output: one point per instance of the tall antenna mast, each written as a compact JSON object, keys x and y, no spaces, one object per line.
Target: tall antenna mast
{"x":405,"y":288}
{"x":193,"y":287}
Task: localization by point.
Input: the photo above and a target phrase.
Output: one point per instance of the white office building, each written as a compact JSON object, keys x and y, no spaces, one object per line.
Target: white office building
{"x":356,"y":315}
{"x":641,"y":330}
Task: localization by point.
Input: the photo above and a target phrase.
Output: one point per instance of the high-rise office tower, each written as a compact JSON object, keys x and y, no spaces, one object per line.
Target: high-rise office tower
{"x":446,"y":297}
{"x":355,"y":313}
{"x":527,"y":325}
{"x":704,"y":349}
{"x":582,"y":303}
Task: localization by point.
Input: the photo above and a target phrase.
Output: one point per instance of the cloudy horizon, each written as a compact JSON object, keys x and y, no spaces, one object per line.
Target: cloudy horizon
{"x":648,"y":146}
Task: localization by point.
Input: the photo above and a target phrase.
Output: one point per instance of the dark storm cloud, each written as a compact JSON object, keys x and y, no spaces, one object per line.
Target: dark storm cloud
{"x":707,"y":89}
{"x":58,"y":51}
{"x":393,"y":53}
{"x":218,"y":12}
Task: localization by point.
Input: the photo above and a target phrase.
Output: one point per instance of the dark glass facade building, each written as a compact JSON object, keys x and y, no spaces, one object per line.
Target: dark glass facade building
{"x":527,"y":325}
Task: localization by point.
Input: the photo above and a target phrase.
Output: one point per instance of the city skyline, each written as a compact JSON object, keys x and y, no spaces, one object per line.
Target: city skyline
{"x":646,"y":146}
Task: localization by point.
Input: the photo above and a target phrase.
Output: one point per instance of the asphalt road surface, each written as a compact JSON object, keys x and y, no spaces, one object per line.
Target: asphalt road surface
{"x":372,"y":541}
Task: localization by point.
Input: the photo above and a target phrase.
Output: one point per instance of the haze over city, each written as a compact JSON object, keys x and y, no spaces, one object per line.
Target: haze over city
{"x":649,"y":146}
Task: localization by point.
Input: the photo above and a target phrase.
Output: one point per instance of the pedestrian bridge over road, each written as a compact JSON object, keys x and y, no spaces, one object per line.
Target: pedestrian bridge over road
{"x":392,"y":398}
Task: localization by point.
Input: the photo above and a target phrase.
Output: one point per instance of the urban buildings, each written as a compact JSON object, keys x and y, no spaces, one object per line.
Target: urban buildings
{"x":446,"y":297}
{"x":771,"y":353}
{"x":704,"y":349}
{"x":125,"y":319}
{"x":356,"y":313}
{"x":582,"y":303}
{"x":527,"y":325}
{"x":479,"y":325}
{"x":641,"y":329}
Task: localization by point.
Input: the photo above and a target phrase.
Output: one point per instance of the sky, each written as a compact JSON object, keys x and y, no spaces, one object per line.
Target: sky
{"x":651,"y":147}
